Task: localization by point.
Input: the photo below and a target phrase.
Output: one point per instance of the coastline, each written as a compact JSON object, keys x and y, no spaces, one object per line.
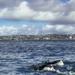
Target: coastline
{"x":39,"y":37}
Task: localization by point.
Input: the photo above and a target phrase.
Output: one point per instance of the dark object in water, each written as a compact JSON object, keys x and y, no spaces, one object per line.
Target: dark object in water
{"x":48,"y":64}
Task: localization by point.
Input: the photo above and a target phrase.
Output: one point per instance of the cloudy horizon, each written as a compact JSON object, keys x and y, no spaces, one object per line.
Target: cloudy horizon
{"x":34,"y":17}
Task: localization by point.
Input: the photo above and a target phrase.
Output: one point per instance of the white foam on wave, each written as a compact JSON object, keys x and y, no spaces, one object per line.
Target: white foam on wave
{"x":65,"y":73}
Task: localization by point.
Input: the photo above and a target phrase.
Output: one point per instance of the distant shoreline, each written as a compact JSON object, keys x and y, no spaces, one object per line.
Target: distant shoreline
{"x":40,"y":37}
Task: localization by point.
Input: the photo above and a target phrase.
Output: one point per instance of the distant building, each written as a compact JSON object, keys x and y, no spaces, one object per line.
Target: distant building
{"x":70,"y":37}
{"x":46,"y":38}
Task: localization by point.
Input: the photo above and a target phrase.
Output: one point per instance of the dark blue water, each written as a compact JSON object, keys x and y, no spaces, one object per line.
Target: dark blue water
{"x":17,"y":57}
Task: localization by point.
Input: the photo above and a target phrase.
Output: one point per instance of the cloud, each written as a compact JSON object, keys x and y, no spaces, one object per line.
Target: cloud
{"x":22,"y":12}
{"x":53,"y":11}
{"x":8,"y":30}
{"x":45,"y":5}
{"x":59,"y":16}
{"x":9,"y":3}
{"x":52,"y":5}
{"x":60,"y":29}
{"x":27,"y":30}
{"x":33,"y":30}
{"x":23,"y":30}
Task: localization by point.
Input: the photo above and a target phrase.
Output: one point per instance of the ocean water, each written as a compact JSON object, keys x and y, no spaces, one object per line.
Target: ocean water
{"x":17,"y":57}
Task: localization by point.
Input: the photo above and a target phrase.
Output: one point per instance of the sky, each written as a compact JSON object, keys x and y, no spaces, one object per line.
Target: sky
{"x":37,"y":17}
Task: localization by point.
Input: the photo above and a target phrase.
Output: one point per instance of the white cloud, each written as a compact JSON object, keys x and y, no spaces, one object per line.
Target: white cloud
{"x":57,"y":12}
{"x":59,"y":15}
{"x":23,"y":30}
{"x":22,"y":12}
{"x":48,"y":27}
{"x":33,"y":30}
{"x":8,"y":30}
{"x":58,"y":29}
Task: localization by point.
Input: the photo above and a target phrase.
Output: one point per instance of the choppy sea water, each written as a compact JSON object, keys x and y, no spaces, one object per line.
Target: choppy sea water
{"x":17,"y":57}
